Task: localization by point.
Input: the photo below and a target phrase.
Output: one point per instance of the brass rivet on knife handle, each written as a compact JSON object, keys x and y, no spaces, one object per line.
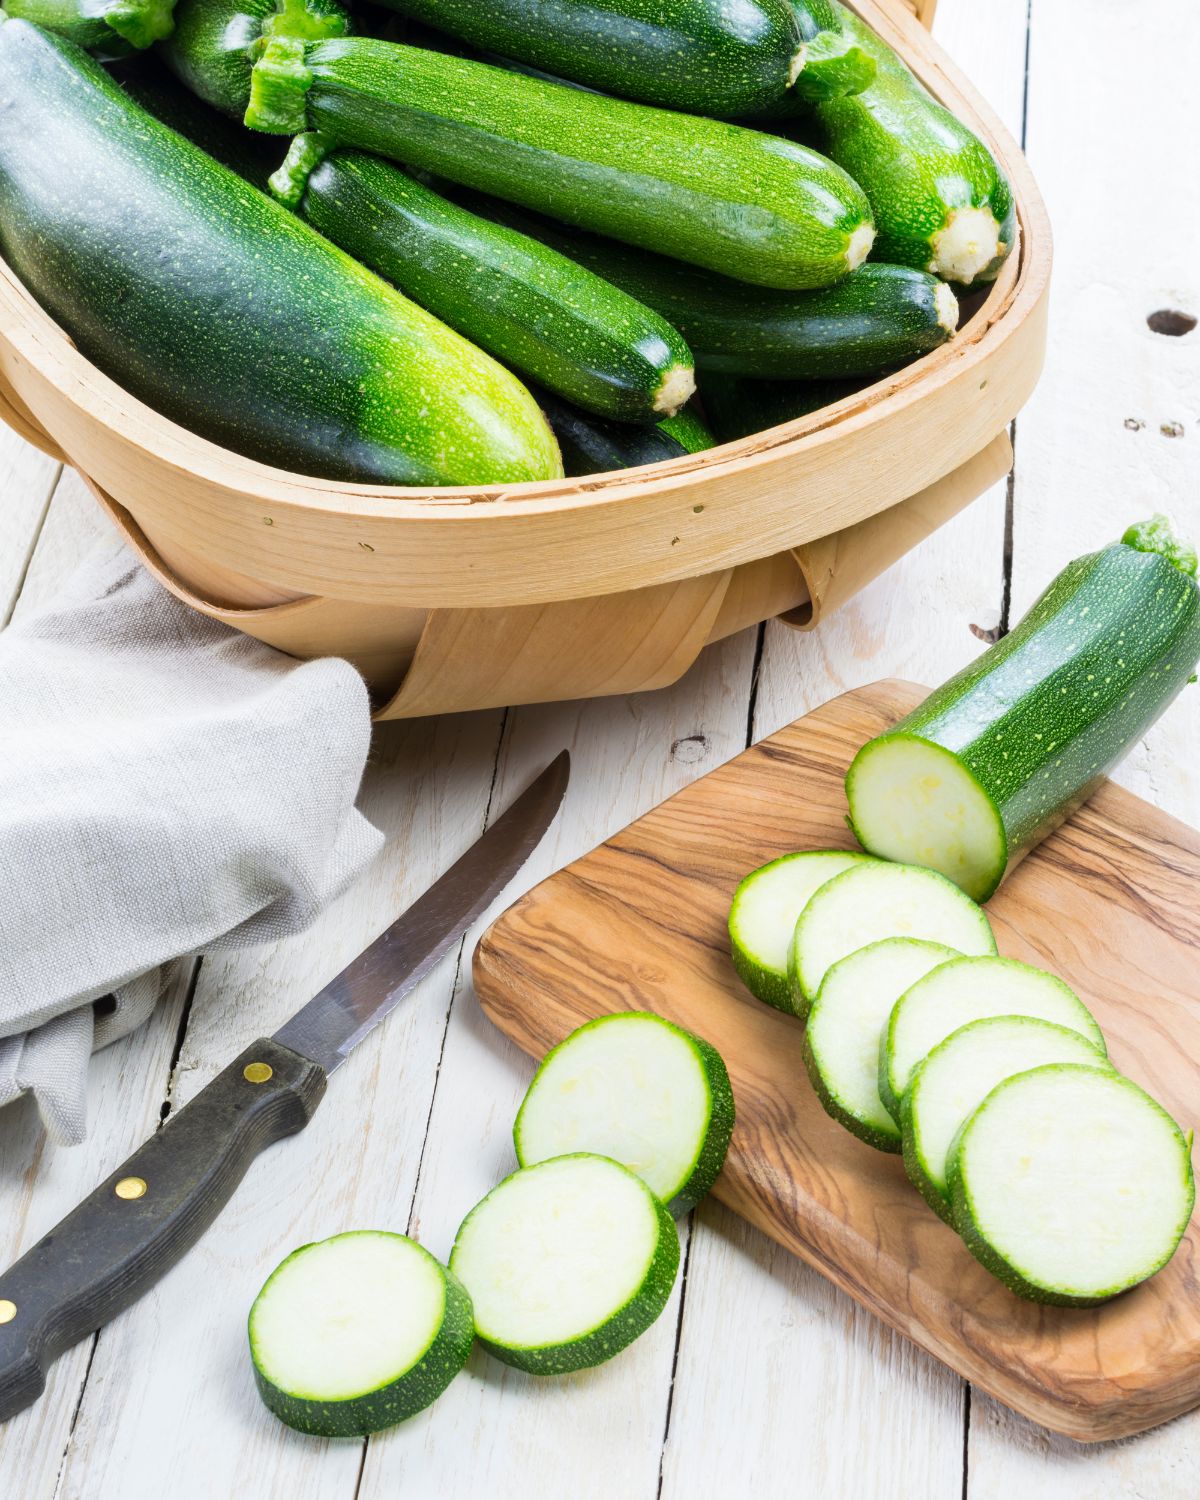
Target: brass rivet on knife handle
{"x":131,"y":1187}
{"x":257,"y":1072}
{"x":8,"y":1310}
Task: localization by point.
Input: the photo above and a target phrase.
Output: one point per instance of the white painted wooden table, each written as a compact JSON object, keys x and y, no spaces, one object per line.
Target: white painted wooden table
{"x":759,"y":1379}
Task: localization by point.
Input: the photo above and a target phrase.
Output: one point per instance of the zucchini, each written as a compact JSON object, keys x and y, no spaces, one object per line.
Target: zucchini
{"x":1071,"y":1184}
{"x":738,"y":408}
{"x":971,"y":989}
{"x":834,"y":62}
{"x":841,"y":1041}
{"x":998,"y":756}
{"x":689,"y":429}
{"x":107,"y":29}
{"x":258,"y":334}
{"x":755,"y":207}
{"x":535,"y":310}
{"x":949,"y":1085}
{"x":876,"y":318}
{"x":874,"y":900}
{"x":357,"y":1332}
{"x":763,"y":916}
{"x":595,"y":445}
{"x":639,"y":1090}
{"x":941,"y":203}
{"x":566,"y":1263}
{"x":701,"y":56}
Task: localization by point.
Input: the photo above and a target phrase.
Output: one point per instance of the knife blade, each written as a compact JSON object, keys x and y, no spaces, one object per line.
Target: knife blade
{"x":146,"y":1215}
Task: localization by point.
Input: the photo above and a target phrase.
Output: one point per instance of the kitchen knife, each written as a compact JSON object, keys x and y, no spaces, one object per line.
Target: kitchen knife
{"x":148,"y":1213}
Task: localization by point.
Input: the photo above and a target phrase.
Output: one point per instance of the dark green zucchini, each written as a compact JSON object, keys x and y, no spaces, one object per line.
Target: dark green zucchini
{"x":594,"y":445}
{"x":876,"y":318}
{"x":538,"y":312}
{"x":759,"y":208}
{"x":941,"y":203}
{"x":703,"y":56}
{"x":998,"y":756}
{"x":689,"y":429}
{"x":738,"y":408}
{"x":107,"y":29}
{"x":220,"y":309}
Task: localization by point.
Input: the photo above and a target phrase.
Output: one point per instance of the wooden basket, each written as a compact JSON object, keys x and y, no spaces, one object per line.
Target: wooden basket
{"x":457,"y":598}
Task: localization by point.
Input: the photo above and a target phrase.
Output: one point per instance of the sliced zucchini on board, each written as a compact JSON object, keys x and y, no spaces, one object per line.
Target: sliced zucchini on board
{"x":971,"y":989}
{"x":763,"y":916}
{"x":640,"y":1090}
{"x":997,"y":757}
{"x":1071,"y":1184}
{"x":948,"y":1086}
{"x":841,"y":1043}
{"x":355,"y":1333}
{"x":566,"y":1262}
{"x":874,"y":900}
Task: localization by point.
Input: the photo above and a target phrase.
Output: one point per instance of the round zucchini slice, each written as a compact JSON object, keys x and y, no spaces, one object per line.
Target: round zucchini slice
{"x":763,"y":917}
{"x":1071,"y":1184}
{"x":841,"y":1044}
{"x":971,"y":990}
{"x":566,"y":1262}
{"x":876,"y":900}
{"x":947,"y":1087}
{"x":639,"y":1090}
{"x":355,"y":1333}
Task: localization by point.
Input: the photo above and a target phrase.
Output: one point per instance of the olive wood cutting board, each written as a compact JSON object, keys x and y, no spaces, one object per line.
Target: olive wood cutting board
{"x":1111,"y":902}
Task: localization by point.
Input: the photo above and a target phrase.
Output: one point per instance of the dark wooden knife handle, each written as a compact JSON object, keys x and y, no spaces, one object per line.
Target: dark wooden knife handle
{"x":147,"y":1214}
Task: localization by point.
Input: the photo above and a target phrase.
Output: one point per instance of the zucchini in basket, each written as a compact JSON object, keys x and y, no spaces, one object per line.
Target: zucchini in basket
{"x":220,"y":309}
{"x":997,"y":757}
{"x":597,"y":445}
{"x":703,"y":56}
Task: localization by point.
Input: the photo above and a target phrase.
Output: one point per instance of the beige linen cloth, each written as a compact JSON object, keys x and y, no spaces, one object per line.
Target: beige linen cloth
{"x":167,"y":787}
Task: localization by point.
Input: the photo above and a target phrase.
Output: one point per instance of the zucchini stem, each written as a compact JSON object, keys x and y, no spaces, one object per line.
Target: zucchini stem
{"x":141,"y":22}
{"x":279,"y":84}
{"x":1158,"y":535}
{"x":306,"y":153}
{"x":677,"y":388}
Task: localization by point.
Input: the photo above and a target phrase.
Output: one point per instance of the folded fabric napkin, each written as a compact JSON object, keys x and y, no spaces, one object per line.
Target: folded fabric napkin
{"x":167,"y":787}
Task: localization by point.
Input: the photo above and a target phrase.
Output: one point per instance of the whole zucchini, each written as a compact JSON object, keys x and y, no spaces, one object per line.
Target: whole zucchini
{"x":216,"y":306}
{"x":542,"y":314}
{"x":758,"y":208}
{"x":876,"y":318}
{"x":996,"y":758}
{"x":941,"y":203}
{"x":702,"y":56}
{"x":106,"y":28}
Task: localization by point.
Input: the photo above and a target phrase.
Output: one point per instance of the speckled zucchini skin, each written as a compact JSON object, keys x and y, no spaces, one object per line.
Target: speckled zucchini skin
{"x":755,"y":207}
{"x":106,"y":28}
{"x":915,"y":160}
{"x":705,"y":56}
{"x":217,"y":307}
{"x":1042,"y":716}
{"x":416,"y":1389}
{"x":540,"y":313}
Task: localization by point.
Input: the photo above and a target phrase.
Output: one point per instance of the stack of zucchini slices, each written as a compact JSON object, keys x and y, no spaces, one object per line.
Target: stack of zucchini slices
{"x":559,"y":1268}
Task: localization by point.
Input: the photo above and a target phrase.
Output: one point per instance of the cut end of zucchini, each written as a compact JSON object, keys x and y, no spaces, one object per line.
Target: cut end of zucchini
{"x":860,"y":246}
{"x":797,"y":64}
{"x":677,"y":389}
{"x":914,"y":802}
{"x":1071,"y":1184}
{"x":279,"y":84}
{"x":946,"y":306}
{"x":966,"y":246}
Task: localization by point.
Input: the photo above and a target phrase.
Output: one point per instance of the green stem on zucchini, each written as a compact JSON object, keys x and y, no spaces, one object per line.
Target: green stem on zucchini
{"x":279,"y":85}
{"x":141,"y":22}
{"x":306,"y":153}
{"x":1158,"y":535}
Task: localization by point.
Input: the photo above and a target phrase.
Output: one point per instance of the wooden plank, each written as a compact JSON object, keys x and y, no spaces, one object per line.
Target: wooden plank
{"x":1092,"y":455}
{"x":27,"y":480}
{"x":599,"y":1433}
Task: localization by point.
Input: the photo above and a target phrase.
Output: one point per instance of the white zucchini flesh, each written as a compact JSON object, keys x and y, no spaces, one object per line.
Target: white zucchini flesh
{"x":913,"y":801}
{"x":640,"y":1090}
{"x":949,"y":1085}
{"x":971,"y":990}
{"x":841,"y":1044}
{"x":876,"y":900}
{"x":566,"y":1263}
{"x":1071,"y":1184}
{"x":763,"y":917}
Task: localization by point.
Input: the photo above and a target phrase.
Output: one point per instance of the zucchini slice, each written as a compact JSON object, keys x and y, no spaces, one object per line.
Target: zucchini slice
{"x":1071,"y":1184}
{"x":971,"y":989}
{"x":640,"y":1090}
{"x":997,"y":757}
{"x":949,"y":1084}
{"x":763,"y":916}
{"x":875,"y":900}
{"x":841,"y":1043}
{"x":567,"y":1262}
{"x":355,"y":1333}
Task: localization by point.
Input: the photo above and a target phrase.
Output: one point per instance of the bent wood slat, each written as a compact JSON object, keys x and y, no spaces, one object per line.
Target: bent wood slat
{"x":1108,"y":902}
